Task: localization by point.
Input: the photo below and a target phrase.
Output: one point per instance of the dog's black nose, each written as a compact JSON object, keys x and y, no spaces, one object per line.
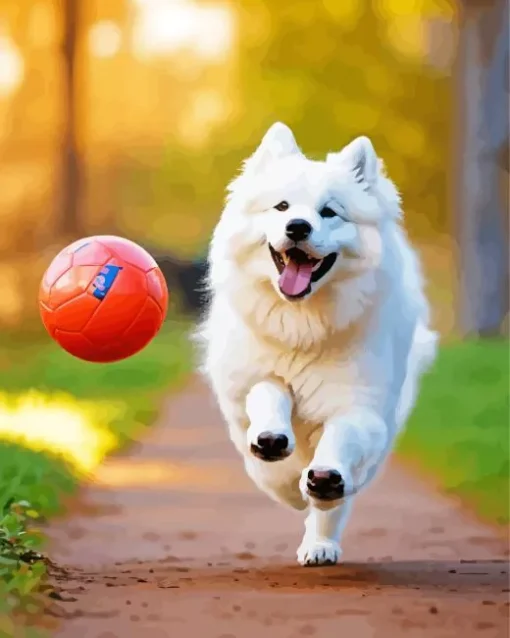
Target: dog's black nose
{"x":270,"y":446}
{"x":325,"y":484}
{"x":298,"y":229}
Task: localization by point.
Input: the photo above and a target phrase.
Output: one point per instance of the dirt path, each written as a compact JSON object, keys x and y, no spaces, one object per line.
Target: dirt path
{"x":174,"y":540}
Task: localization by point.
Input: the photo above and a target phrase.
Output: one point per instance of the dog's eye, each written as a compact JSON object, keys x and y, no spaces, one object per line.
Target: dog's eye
{"x":328,"y":212}
{"x":282,"y":206}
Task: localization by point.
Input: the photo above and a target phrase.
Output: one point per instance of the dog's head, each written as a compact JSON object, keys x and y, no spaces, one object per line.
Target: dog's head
{"x":301,"y":223}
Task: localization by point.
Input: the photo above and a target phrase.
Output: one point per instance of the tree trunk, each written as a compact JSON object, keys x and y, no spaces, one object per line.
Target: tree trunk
{"x":72,"y":179}
{"x":481,"y":166}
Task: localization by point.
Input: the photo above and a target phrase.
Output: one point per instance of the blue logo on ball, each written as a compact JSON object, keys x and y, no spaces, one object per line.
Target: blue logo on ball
{"x":104,"y":281}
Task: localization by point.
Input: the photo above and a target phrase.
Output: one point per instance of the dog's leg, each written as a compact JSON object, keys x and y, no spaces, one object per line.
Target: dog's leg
{"x":323,"y":531}
{"x":269,"y":407}
{"x":347,"y":456}
{"x":279,"y":481}
{"x":348,"y":453}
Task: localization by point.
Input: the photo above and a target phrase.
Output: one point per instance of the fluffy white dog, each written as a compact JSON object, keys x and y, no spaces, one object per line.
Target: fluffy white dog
{"x":317,"y":330}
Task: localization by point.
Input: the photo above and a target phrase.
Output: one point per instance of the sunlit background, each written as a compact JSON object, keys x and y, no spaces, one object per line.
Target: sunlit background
{"x":170,"y":95}
{"x":130,"y":117}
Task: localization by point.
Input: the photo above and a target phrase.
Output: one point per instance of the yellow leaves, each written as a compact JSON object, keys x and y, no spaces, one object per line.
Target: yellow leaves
{"x":392,"y":8}
{"x":346,"y":13}
{"x":405,"y":137}
{"x":356,"y":117}
{"x":389,"y":9}
{"x":187,"y":229}
{"x":407,"y":22}
{"x":294,"y":92}
{"x":408,"y":138}
{"x":256,"y":24}
{"x":300,"y":13}
{"x":379,"y":79}
{"x":407,"y":35}
{"x":42,"y":29}
{"x":208,"y":108}
{"x":321,"y":51}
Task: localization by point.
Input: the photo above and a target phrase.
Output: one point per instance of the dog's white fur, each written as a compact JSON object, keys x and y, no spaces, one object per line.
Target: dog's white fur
{"x":337,"y":371}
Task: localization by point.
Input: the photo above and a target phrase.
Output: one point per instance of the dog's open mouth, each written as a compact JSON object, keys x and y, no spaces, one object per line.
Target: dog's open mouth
{"x":298,"y":270}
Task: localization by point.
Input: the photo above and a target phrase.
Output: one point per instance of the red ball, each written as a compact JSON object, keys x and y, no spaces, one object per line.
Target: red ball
{"x":103,"y":298}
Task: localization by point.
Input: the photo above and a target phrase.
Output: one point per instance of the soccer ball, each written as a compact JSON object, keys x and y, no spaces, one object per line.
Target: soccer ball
{"x":103,"y":298}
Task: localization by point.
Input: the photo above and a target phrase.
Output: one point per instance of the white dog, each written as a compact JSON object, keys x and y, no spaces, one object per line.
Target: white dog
{"x":317,"y":330}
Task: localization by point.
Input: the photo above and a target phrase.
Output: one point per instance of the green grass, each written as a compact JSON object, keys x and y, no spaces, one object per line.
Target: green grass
{"x":118,"y":399}
{"x":459,"y":432}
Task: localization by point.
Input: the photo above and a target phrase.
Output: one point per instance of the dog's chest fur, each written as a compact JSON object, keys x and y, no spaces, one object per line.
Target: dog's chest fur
{"x":320,"y":378}
{"x":319,"y":371}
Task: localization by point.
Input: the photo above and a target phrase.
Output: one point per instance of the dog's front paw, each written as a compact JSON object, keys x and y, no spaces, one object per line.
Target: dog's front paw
{"x":271,"y":446}
{"x":313,"y":552}
{"x":323,"y":484}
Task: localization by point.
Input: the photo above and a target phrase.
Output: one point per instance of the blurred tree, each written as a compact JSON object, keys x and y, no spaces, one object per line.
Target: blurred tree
{"x":72,"y":174}
{"x":481,"y":197}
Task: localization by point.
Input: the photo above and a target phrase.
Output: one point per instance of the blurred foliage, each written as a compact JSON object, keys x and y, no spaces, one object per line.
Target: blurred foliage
{"x":458,"y":433}
{"x":332,"y":71}
{"x":40,"y":478}
{"x":161,"y":134}
{"x":22,"y":571}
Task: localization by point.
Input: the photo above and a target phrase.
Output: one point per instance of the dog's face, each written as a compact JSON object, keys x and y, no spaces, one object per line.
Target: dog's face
{"x":303,"y":223}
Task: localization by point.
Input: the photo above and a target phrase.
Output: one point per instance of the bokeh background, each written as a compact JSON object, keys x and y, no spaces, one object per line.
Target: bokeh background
{"x":130,"y":116}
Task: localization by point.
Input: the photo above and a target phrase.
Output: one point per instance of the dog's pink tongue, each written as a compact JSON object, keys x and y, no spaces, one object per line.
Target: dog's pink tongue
{"x":295,"y":278}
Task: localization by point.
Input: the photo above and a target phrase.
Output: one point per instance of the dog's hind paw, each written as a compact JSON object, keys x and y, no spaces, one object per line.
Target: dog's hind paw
{"x":315,"y":553}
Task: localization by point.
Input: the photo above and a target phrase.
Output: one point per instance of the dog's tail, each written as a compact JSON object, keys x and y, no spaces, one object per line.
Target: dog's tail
{"x":421,"y":357}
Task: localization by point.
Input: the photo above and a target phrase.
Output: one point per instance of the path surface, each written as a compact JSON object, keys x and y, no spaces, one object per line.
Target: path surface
{"x":174,"y":540}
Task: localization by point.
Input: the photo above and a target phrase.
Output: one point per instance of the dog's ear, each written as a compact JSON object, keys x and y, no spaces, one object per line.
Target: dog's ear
{"x":278,"y":142}
{"x":360,"y":157}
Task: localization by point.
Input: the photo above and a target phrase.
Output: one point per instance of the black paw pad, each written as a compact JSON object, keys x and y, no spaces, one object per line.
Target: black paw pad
{"x":325,"y":484}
